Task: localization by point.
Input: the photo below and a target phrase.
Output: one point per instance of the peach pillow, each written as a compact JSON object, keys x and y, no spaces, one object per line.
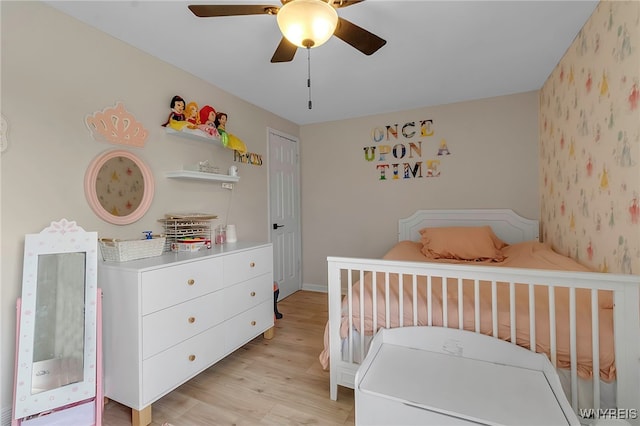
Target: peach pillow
{"x":462,"y":243}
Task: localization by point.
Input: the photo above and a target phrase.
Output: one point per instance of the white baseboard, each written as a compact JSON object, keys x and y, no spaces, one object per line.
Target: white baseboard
{"x":6,"y":416}
{"x":314,"y":287}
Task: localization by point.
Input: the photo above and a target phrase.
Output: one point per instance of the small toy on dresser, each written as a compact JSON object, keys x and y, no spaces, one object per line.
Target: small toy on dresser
{"x":190,"y":244}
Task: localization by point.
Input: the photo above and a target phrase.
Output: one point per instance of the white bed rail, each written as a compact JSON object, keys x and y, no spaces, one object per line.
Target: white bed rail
{"x":344,"y":274}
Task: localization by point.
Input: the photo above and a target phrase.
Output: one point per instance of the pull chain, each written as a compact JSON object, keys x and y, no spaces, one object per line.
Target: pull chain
{"x":309,"y":73}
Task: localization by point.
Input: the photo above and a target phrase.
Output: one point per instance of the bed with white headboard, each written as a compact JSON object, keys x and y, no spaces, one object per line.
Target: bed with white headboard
{"x":506,"y":224}
{"x":585,"y":322}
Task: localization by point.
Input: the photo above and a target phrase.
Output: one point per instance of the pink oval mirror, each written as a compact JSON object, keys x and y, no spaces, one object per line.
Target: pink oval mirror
{"x":119,"y":187}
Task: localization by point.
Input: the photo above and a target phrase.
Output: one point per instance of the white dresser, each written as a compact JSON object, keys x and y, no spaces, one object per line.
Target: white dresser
{"x":167,"y":318}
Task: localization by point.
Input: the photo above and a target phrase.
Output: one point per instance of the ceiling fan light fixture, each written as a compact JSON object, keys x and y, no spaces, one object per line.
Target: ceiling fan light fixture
{"x":307,"y":23}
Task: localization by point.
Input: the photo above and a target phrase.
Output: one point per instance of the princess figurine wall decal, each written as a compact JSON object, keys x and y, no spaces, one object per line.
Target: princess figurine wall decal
{"x":191,"y":113}
{"x":208,"y":121}
{"x":227,"y":139}
{"x":177,"y":119}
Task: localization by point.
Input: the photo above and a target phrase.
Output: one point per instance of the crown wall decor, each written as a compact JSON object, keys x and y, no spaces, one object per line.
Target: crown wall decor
{"x":116,"y":125}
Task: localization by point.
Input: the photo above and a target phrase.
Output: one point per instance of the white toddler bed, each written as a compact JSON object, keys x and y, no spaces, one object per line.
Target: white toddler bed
{"x":556,"y":317}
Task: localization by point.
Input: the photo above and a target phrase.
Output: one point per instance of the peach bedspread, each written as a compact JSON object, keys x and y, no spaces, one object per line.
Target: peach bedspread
{"x":531,"y":254}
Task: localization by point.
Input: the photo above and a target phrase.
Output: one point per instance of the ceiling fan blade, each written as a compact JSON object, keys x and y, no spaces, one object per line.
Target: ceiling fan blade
{"x":284,"y":52}
{"x":211,"y":10}
{"x":366,"y":42}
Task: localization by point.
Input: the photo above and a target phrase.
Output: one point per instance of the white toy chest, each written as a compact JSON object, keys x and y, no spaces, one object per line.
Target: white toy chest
{"x":439,"y":376}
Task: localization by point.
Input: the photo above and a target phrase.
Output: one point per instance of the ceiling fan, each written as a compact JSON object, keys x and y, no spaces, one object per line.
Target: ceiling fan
{"x":303,"y":23}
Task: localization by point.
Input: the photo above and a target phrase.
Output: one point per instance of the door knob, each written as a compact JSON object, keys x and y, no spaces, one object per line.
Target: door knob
{"x":276,"y":226}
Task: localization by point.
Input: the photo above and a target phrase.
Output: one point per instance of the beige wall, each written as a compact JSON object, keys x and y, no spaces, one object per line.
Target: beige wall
{"x":55,"y":71}
{"x":348,"y":211}
{"x":590,"y":143}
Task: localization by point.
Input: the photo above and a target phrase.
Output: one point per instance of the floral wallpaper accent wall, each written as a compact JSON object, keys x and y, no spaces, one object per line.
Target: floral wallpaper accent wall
{"x":590,"y":143}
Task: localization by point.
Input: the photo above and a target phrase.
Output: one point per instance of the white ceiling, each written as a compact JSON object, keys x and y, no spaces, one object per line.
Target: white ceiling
{"x":437,"y":52}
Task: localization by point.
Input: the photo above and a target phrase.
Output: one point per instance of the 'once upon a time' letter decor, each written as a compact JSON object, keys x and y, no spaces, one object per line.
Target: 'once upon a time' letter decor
{"x":397,"y":151}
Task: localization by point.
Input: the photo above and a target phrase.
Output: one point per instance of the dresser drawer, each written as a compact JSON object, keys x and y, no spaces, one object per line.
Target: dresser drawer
{"x":169,"y":286}
{"x":242,"y":266}
{"x":247,"y":325}
{"x":245,"y":295}
{"x":165,"y":328}
{"x":167,"y":370}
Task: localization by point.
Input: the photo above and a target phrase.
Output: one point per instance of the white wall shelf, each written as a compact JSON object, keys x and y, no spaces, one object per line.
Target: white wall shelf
{"x":197,"y":135}
{"x":194,"y":134}
{"x":190,"y":174}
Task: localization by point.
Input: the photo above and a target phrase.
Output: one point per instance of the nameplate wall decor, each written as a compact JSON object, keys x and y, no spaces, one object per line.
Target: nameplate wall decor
{"x":248,"y":158}
{"x":406,"y":151}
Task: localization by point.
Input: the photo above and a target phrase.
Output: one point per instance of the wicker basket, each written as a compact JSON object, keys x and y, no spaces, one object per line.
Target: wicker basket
{"x":123,"y":251}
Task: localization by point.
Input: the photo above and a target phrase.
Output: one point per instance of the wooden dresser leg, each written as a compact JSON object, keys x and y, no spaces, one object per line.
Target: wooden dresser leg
{"x":142,"y":417}
{"x":269,"y":333}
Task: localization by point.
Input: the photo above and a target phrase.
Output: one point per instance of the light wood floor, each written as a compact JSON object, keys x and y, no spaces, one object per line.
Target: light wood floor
{"x":266,"y":382}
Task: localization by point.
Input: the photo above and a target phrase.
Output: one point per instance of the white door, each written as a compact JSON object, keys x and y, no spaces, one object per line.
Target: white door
{"x":284,"y":211}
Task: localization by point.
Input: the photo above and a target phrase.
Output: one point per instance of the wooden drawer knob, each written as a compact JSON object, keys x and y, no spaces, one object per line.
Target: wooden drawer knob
{"x":253,"y":323}
{"x":253,"y":293}
{"x":191,"y":320}
{"x":191,"y":281}
{"x":192,"y":357}
{"x":252,"y":264}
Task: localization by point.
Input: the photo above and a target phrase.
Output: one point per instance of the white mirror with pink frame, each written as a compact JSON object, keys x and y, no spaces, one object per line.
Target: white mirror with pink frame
{"x":58,"y":330}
